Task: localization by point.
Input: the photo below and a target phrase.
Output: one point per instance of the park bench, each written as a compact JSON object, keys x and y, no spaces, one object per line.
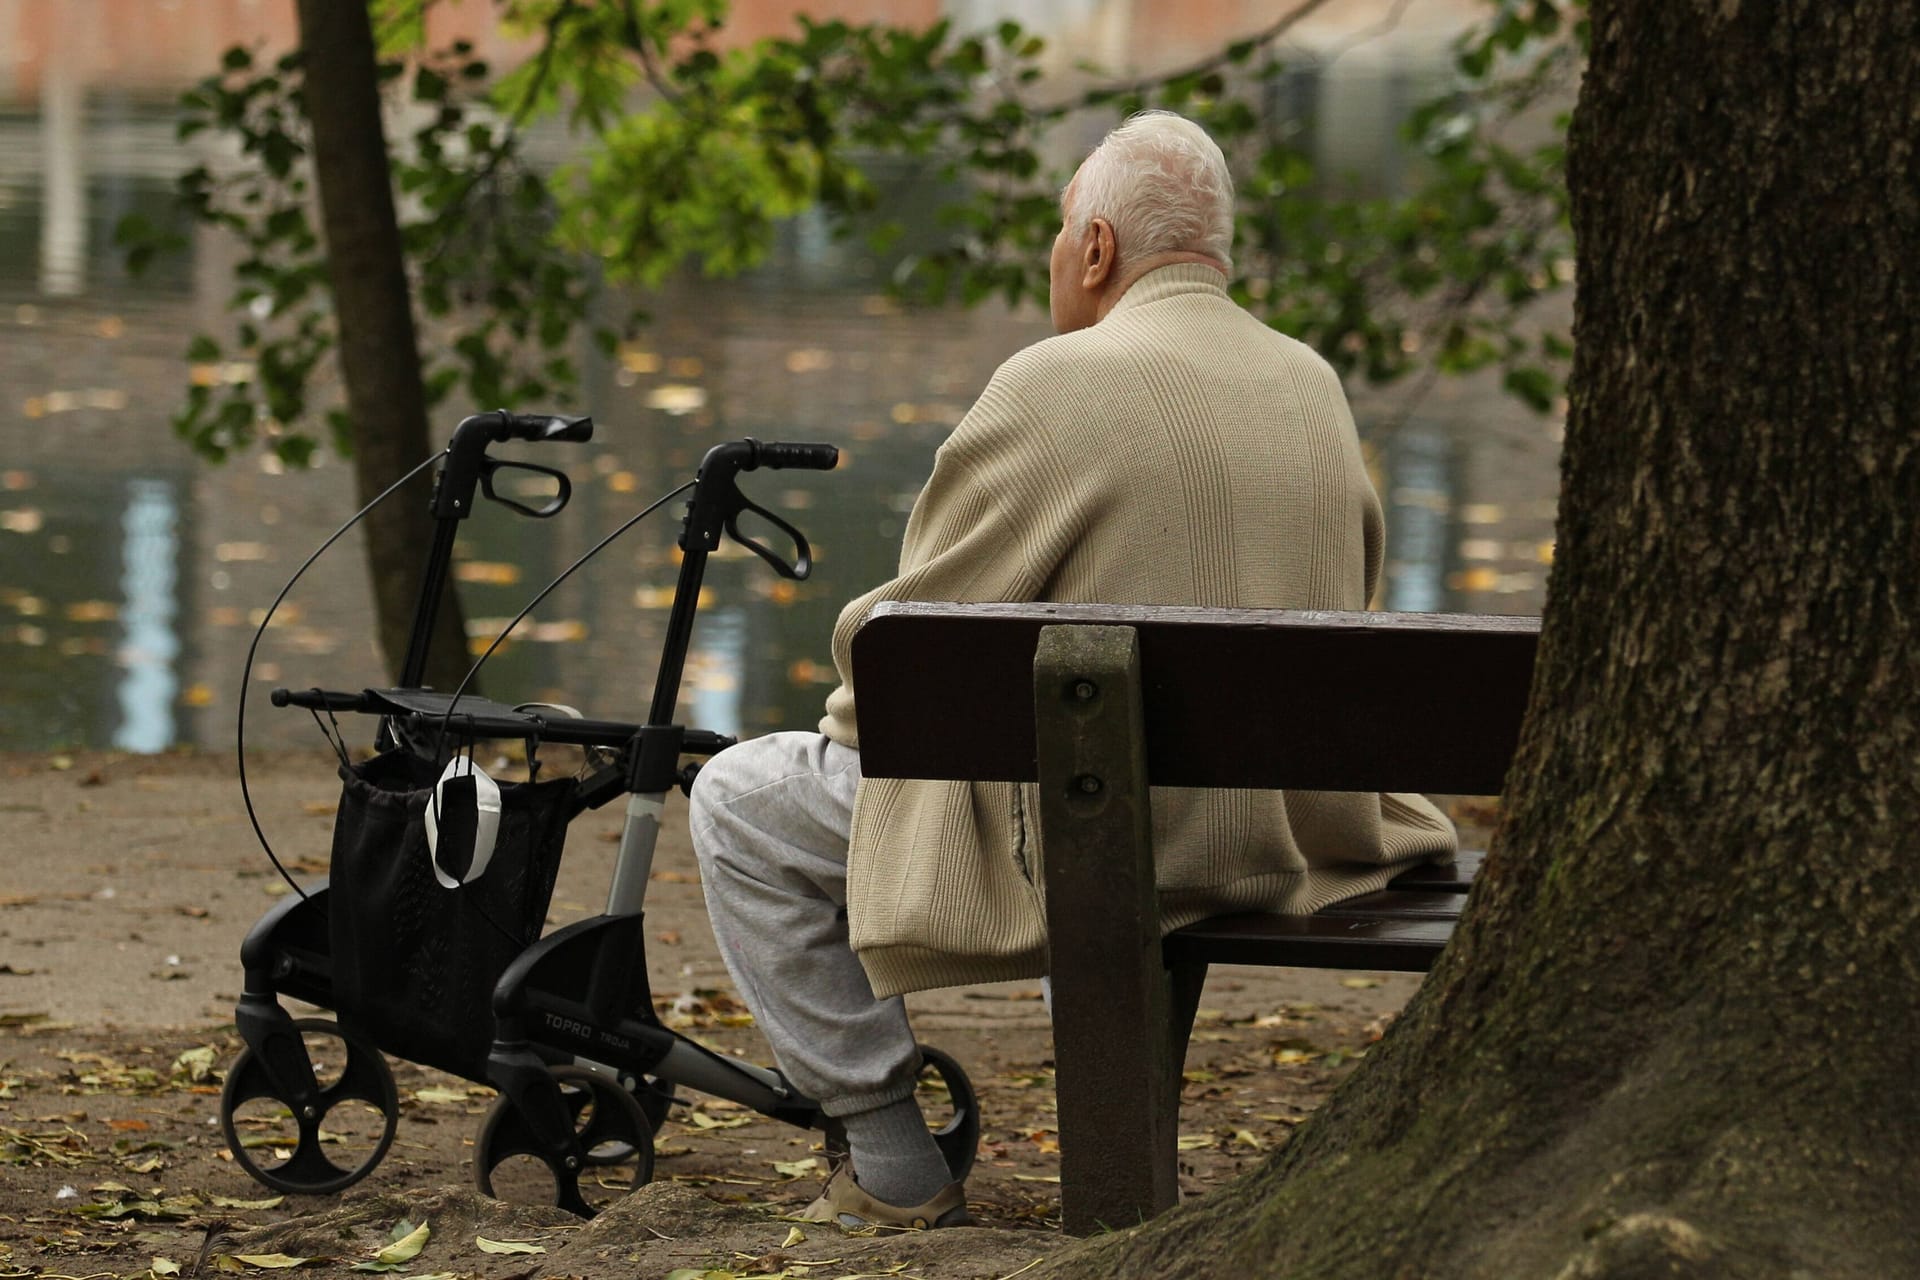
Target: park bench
{"x":1096,"y":702}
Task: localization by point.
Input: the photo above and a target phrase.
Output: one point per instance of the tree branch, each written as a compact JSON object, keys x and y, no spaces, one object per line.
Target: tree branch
{"x":1286,"y":23}
{"x":637,"y":41}
{"x":1386,"y":26}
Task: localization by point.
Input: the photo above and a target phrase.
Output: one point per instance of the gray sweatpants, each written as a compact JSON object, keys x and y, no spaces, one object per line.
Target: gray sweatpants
{"x":770,"y":821}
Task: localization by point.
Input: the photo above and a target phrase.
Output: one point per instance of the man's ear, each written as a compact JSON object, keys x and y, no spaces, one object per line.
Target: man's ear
{"x":1098,"y":254}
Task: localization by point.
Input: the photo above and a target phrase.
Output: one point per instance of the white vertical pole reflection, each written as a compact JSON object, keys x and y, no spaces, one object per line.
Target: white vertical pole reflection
{"x":149,"y":607}
{"x":63,"y":209}
{"x":711,"y":691}
{"x":1419,"y":511}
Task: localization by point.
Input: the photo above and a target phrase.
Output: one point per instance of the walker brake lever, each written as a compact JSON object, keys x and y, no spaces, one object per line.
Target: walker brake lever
{"x":553,"y":506}
{"x":802,"y":565}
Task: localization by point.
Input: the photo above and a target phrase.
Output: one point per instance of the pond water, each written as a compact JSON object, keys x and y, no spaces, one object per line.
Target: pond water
{"x":132,"y":576}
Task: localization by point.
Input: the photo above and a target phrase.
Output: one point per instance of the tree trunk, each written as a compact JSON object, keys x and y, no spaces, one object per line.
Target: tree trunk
{"x":1678,"y":1033}
{"x":379,"y":355}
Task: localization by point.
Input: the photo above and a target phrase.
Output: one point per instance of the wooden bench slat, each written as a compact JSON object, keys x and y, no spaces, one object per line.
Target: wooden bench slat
{"x":1399,"y":904}
{"x":1233,"y":697}
{"x":1454,"y":877}
{"x":1310,"y":942}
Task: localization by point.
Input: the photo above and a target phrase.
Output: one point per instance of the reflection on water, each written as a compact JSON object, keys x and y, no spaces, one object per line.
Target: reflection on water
{"x":131,"y":578}
{"x":1419,"y":495}
{"x":714,"y":671}
{"x":148,"y":683}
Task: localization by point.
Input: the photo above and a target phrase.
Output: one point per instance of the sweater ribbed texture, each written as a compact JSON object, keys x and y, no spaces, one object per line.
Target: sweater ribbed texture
{"x":1177,"y":453}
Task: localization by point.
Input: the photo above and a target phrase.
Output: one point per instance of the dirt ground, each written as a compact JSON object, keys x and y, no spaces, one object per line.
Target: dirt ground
{"x":126,"y":885}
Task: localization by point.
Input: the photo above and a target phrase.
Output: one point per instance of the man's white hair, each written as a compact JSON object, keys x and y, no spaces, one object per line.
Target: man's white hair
{"x":1163,"y":185}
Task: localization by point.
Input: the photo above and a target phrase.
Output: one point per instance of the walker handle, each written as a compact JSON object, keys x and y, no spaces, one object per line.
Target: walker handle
{"x":537,"y":427}
{"x":318,"y":699}
{"x":805,"y":457}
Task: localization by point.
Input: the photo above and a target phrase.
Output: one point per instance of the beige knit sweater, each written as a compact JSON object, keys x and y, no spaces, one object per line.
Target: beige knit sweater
{"x":1177,"y":452}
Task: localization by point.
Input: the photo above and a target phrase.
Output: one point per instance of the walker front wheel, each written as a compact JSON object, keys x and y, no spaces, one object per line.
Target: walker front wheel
{"x":953,"y":1111}
{"x":608,"y":1153}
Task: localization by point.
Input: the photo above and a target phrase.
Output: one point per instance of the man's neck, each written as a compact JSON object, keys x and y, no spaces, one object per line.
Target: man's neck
{"x":1135,"y":270}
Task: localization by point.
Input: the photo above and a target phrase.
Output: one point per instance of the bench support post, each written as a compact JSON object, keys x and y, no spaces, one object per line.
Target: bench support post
{"x":1117,"y":1090}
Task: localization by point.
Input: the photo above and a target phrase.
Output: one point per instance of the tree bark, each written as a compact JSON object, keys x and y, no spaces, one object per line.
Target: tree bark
{"x":1677,"y":1033}
{"x":379,"y":353}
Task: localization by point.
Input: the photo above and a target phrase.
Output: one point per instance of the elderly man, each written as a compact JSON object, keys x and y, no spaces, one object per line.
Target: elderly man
{"x":1165,"y":448}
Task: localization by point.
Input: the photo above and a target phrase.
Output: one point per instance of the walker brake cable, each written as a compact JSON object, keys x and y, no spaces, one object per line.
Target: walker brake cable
{"x":446,"y":717}
{"x":246,"y":670}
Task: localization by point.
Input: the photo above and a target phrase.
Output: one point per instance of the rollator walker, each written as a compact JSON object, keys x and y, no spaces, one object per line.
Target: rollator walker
{"x":427,"y":944}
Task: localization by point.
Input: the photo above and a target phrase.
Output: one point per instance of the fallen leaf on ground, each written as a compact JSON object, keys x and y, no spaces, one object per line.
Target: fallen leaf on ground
{"x":507,"y":1246}
{"x":194,"y":1065}
{"x":230,"y":1202}
{"x":408,"y":1241}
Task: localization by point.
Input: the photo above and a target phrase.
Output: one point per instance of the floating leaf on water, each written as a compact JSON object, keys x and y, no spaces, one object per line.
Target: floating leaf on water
{"x":493,"y":573}
{"x":507,"y":1246}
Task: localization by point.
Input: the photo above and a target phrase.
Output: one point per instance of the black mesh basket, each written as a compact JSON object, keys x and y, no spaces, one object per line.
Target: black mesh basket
{"x":414,"y":964}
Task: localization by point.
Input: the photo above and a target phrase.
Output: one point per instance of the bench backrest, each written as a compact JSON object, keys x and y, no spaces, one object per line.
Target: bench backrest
{"x":1233,"y":697}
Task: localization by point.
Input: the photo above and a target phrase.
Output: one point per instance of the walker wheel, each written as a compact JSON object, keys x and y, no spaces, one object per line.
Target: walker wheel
{"x":609,"y":1154}
{"x":278,"y":1138}
{"x":655,"y":1101}
{"x":947,"y":1096}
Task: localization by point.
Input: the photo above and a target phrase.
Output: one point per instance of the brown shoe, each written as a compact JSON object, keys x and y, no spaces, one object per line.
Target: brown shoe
{"x":846,"y":1204}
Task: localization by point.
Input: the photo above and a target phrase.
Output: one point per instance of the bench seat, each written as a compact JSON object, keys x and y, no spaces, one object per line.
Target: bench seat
{"x":1100,"y":703}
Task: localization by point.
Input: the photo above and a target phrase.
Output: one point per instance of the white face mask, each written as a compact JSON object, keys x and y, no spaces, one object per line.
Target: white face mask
{"x":466,"y":808}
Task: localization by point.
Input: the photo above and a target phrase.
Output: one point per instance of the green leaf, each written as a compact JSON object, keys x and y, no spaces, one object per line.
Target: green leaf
{"x":1533,"y":386}
{"x":203,"y":349}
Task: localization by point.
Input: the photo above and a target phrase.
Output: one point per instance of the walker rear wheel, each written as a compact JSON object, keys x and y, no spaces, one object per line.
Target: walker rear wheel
{"x":275,"y":1133}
